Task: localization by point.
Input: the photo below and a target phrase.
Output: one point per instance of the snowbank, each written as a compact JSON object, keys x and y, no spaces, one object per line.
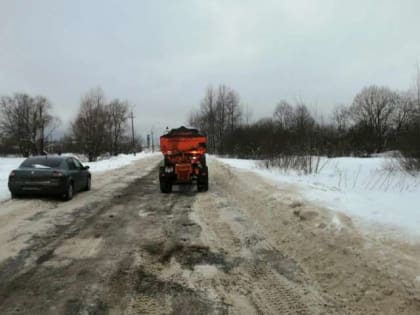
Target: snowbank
{"x":368,"y":189}
{"x":115,"y":162}
{"x":8,"y":164}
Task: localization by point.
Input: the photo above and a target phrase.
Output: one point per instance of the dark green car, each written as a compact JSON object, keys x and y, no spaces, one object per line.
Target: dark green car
{"x":50,"y":175}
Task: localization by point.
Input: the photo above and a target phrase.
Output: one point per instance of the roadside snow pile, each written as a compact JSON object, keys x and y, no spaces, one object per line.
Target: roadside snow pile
{"x":8,"y":164}
{"x":370,"y":189}
{"x":115,"y":162}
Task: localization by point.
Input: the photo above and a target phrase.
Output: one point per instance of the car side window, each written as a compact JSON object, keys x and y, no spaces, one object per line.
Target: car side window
{"x":78,"y":164}
{"x":71,"y":164}
{"x":63,"y":165}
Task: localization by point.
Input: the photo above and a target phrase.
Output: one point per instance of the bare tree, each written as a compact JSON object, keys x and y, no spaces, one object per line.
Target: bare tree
{"x":283,"y":114}
{"x":208,"y":114}
{"x":219,"y":115}
{"x":117,"y":123}
{"x":303,"y":121}
{"x":247,"y":115}
{"x":46,"y":122}
{"x":405,"y":110}
{"x":234,"y":111}
{"x":373,"y":109}
{"x":205,"y":118}
{"x":341,"y":118}
{"x":417,"y":86}
{"x":89,"y":128}
{"x":27,"y":121}
{"x":228,"y":114}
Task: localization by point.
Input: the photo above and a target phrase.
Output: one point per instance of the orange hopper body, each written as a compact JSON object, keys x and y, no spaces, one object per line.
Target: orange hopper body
{"x":183,"y":140}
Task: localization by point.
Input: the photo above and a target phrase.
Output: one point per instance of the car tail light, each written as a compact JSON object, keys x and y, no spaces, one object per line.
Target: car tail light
{"x":12,"y":174}
{"x":57,"y":174}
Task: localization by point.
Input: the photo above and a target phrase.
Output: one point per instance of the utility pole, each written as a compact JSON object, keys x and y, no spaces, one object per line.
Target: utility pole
{"x":132,"y":132}
{"x":41,"y":119}
{"x":153,"y":141}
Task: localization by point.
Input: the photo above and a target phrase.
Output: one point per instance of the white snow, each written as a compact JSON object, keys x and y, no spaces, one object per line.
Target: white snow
{"x":7,"y":164}
{"x":337,"y":223}
{"x":115,"y":162}
{"x":371,"y":190}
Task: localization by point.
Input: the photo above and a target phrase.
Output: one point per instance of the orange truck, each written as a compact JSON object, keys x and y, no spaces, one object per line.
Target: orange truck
{"x":184,"y":159}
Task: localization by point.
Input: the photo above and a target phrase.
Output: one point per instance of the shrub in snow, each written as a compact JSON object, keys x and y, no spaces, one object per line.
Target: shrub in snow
{"x":306,"y":164}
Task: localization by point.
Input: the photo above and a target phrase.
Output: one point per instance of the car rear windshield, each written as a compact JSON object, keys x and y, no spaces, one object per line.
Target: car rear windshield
{"x":41,"y":163}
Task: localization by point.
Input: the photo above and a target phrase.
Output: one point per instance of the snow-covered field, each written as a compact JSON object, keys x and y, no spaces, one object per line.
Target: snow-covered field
{"x":376,"y":195}
{"x":7,"y":164}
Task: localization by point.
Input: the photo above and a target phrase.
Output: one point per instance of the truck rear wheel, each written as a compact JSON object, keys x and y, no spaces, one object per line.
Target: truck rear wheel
{"x":203,"y":181}
{"x":203,"y":186}
{"x":206,"y":184}
{"x":165,"y":188}
{"x":203,"y":160}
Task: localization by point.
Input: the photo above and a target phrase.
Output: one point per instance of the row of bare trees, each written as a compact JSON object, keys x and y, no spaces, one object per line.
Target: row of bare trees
{"x":380,"y":115}
{"x":103,"y":127}
{"x":219,"y":115}
{"x":378,"y":119}
{"x":100,"y":127}
{"x":25,"y":123}
{"x":221,"y":118}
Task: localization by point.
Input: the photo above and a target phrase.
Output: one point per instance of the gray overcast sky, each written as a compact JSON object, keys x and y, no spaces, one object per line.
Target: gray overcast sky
{"x":161,"y":55}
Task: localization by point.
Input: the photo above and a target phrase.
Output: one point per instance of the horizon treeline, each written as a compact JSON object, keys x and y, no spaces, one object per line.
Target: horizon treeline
{"x":100,"y":127}
{"x":379,"y":119}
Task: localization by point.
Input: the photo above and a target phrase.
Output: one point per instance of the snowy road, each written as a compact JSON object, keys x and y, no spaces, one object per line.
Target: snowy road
{"x":244,"y":247}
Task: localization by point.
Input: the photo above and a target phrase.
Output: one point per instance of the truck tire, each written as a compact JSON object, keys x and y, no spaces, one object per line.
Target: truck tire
{"x":203,"y":180}
{"x":205,"y":184}
{"x":165,"y":188}
{"x":203,"y":160}
{"x":201,"y":187}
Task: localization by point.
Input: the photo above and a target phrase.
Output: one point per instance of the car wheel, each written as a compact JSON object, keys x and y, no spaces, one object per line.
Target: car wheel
{"x":88,"y":184}
{"x":69,"y":192}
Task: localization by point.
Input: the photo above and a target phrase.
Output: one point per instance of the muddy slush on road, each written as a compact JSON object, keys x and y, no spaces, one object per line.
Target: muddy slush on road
{"x":243,"y":247}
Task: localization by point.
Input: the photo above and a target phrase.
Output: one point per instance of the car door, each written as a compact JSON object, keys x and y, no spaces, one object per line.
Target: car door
{"x":74,"y":173}
{"x":83,"y":173}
